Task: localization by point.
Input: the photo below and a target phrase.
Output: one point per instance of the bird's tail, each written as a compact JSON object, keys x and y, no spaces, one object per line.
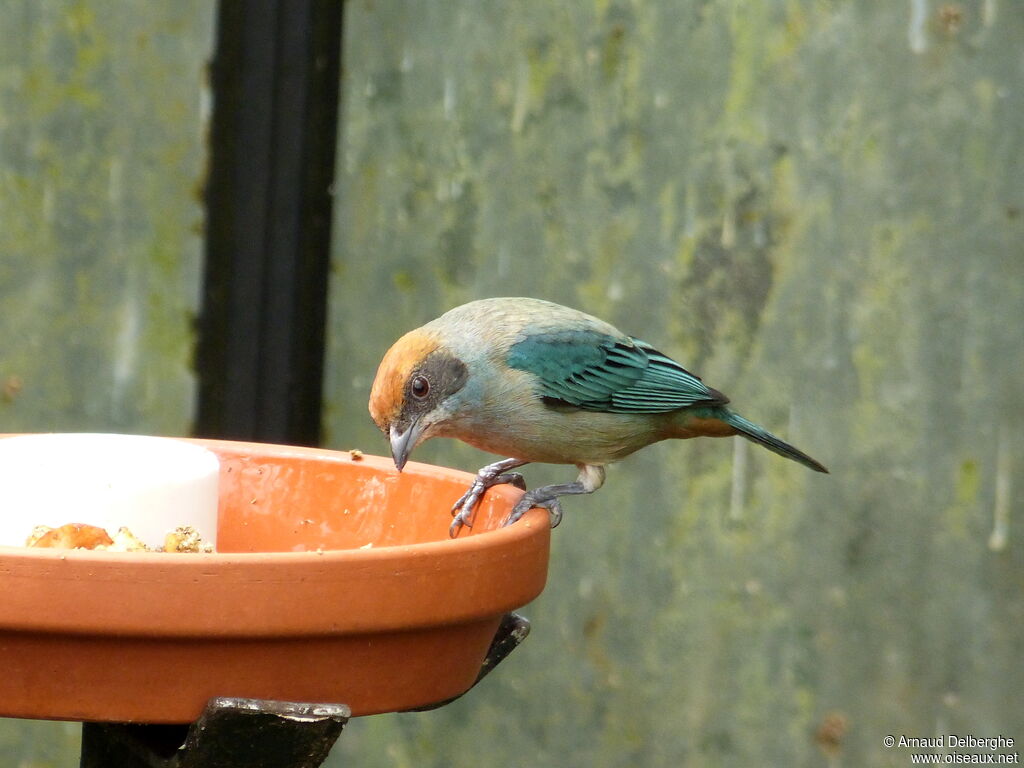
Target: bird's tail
{"x":762,"y":436}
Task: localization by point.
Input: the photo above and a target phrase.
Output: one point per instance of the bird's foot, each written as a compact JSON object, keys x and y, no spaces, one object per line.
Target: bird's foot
{"x":590,"y":479}
{"x":491,"y":475}
{"x":528,"y":502}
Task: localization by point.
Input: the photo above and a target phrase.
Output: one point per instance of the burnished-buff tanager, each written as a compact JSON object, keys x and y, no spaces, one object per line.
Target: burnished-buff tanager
{"x":539,"y":382}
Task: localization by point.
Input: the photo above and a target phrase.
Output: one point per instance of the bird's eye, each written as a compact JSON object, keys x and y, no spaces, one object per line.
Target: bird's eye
{"x":420,"y":387}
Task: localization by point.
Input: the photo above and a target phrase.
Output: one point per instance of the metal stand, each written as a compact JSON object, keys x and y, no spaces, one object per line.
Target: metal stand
{"x":250,"y":733}
{"x":231,"y":733}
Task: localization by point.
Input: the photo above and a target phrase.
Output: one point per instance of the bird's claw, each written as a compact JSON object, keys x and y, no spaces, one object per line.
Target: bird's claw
{"x":525,"y":504}
{"x":464,"y":508}
{"x":467,"y":502}
{"x":461,"y":519}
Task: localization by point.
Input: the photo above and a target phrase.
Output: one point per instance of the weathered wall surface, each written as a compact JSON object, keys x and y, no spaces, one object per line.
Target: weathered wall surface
{"x":101,"y":167}
{"x":819,"y":207}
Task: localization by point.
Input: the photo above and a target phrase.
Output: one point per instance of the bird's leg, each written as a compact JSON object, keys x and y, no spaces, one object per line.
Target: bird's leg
{"x":491,"y":475}
{"x":591,"y":478}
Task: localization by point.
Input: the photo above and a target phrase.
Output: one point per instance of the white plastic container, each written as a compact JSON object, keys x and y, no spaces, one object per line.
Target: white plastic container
{"x":152,"y":485}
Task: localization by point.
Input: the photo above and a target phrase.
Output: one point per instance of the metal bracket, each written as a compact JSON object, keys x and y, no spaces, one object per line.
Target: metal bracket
{"x":231,"y":733}
{"x":251,"y":733}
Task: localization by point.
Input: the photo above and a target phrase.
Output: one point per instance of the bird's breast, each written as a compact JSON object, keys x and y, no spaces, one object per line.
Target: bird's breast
{"x":535,"y":432}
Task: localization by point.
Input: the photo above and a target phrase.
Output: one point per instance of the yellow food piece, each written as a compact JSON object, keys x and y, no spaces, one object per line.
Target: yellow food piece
{"x":185,"y":538}
{"x":70,"y":536}
{"x":126,"y":541}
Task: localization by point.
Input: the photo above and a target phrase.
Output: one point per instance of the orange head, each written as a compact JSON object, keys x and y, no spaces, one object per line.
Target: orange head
{"x":413,"y":380}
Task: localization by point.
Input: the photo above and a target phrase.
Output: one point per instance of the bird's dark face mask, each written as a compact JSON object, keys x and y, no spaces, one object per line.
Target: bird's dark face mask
{"x":430,"y":384}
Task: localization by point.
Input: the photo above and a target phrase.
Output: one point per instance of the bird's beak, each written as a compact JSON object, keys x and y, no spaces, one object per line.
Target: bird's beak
{"x":402,"y":443}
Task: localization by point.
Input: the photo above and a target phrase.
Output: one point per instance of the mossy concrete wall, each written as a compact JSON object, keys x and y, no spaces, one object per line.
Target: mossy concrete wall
{"x":817,"y":206}
{"x":102,"y":110}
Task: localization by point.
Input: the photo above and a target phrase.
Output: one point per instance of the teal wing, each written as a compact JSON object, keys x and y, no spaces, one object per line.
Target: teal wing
{"x":597,"y":372}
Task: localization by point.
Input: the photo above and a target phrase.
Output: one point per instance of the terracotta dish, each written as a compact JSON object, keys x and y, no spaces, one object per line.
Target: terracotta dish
{"x":334,"y":581}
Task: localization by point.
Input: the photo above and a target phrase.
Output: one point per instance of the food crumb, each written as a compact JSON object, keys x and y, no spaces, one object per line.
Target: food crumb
{"x":356,"y":454}
{"x":367,"y":545}
{"x":82,"y":536}
{"x":185,"y":538}
{"x":37,"y":533}
{"x":126,"y":541}
{"x":69,"y":536}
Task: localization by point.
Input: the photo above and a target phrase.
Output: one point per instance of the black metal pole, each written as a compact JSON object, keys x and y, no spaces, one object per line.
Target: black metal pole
{"x":275,"y":78}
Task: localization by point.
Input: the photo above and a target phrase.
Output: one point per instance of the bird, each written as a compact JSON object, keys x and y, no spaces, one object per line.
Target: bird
{"x":536,"y":381}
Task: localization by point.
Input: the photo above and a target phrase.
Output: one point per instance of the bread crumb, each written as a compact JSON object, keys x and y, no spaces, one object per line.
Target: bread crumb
{"x":126,"y":541}
{"x":69,"y":536}
{"x":83,"y":536}
{"x":185,"y":538}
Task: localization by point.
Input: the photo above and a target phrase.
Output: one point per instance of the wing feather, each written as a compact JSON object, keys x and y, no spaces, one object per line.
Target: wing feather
{"x":595,"y":371}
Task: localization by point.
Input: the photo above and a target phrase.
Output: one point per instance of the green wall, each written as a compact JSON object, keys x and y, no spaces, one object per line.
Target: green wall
{"x":101,"y":153}
{"x":819,"y":207}
{"x":102,"y":109}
